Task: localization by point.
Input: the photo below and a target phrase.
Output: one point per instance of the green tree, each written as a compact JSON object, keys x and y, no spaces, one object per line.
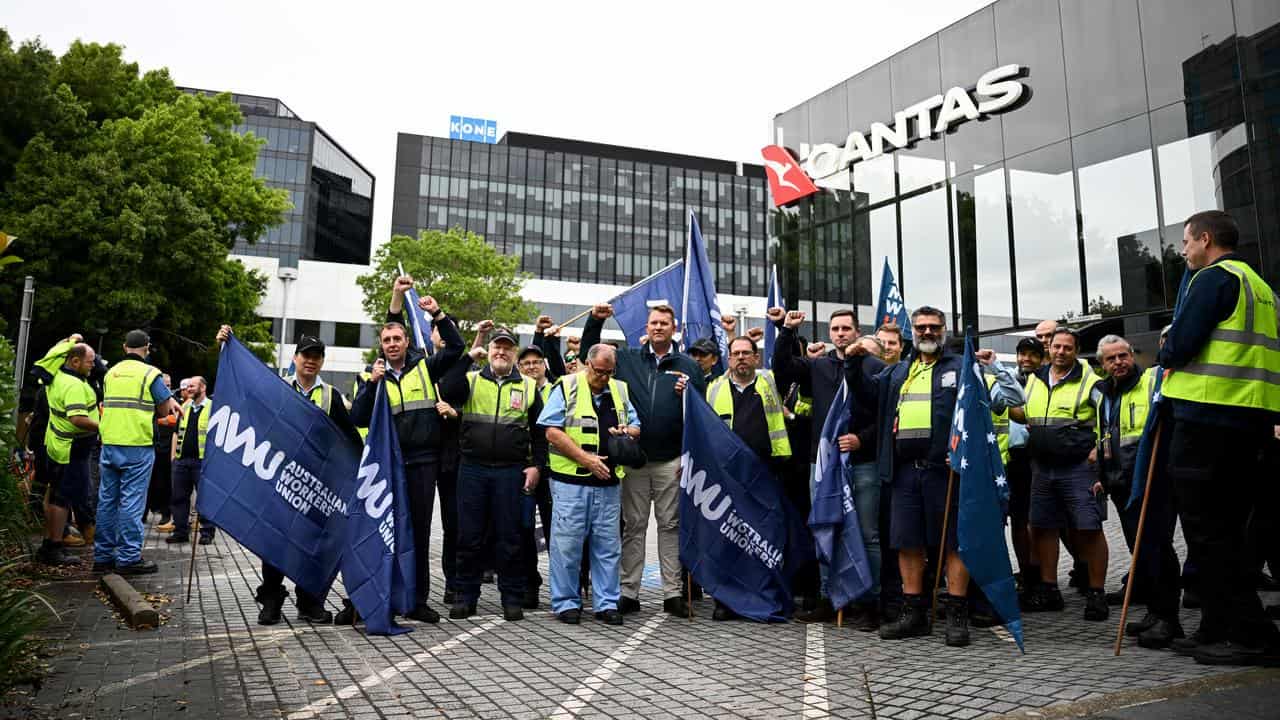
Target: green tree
{"x":470,"y":280}
{"x":128,"y":195}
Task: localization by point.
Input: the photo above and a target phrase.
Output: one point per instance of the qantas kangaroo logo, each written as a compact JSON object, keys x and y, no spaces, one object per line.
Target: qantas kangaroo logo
{"x":787,"y":181}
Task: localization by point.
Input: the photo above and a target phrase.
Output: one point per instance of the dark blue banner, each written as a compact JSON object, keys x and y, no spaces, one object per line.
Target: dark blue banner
{"x":975,"y":460}
{"x":833,"y":519}
{"x":700,"y":309}
{"x":277,"y":471}
{"x":738,"y":536}
{"x":773,"y":300}
{"x":631,"y":308}
{"x":378,"y":568}
{"x":1146,"y":444}
{"x":891,"y":308}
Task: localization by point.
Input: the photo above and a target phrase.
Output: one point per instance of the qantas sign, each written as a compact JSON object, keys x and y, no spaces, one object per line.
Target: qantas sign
{"x":827,"y":165}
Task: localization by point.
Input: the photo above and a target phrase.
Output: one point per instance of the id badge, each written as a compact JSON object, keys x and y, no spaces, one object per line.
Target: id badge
{"x":517,"y":399}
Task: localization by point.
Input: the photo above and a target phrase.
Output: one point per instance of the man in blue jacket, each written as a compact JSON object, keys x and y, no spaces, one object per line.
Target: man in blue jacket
{"x":656,"y":374}
{"x":916,"y":399}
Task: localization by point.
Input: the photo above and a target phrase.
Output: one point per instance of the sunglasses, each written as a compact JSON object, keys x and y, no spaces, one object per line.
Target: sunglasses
{"x":928,"y":327}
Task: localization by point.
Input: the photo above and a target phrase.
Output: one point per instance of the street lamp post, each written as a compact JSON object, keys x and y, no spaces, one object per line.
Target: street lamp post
{"x":286,"y":275}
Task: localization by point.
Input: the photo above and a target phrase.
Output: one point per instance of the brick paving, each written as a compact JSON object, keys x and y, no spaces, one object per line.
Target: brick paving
{"x":211,"y":660}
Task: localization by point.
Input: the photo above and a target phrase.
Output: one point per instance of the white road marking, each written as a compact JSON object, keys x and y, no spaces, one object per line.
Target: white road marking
{"x":815,"y":674}
{"x":380,"y":677}
{"x":195,"y":662}
{"x":587,"y":690}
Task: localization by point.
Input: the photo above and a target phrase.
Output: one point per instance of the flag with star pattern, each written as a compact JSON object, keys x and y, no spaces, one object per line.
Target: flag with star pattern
{"x":975,"y":458}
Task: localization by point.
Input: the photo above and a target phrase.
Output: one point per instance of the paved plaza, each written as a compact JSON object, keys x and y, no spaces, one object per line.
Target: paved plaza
{"x":210,"y":659}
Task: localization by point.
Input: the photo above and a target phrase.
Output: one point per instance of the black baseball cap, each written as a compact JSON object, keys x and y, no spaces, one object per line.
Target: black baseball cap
{"x":501,"y":333}
{"x":137,"y":339}
{"x":310,"y":343}
{"x":704,"y":346}
{"x":531,"y":350}
{"x":1031,"y":344}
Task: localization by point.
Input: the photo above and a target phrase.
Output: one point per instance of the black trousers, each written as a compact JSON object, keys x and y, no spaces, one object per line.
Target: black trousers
{"x":529,"y":540}
{"x":1216,"y":474}
{"x":447,"y":484}
{"x":490,"y":498}
{"x":421,"y":479}
{"x":1158,"y":581}
{"x":272,"y":578}
{"x":186,"y":475}
{"x":160,"y":490}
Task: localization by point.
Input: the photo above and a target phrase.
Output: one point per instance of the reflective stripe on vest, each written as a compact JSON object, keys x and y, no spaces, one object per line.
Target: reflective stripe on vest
{"x":1134,"y":407}
{"x":915,"y":403}
{"x":128,"y":409}
{"x":323,"y":401}
{"x":1240,"y":364}
{"x":581,"y":424}
{"x":202,"y":425}
{"x":1001,"y":422}
{"x":414,"y":391}
{"x":490,"y":403}
{"x":1047,"y":407}
{"x":720,"y":397}
{"x":60,"y":432}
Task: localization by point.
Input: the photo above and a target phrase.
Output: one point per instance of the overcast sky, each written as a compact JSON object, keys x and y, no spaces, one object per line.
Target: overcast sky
{"x":702,"y":78}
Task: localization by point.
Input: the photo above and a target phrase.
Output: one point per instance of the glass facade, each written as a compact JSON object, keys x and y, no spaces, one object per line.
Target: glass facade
{"x":331,"y":219}
{"x":1139,"y":113}
{"x":586,"y":212}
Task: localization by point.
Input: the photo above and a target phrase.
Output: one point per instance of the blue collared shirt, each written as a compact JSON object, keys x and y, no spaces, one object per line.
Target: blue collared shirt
{"x":553,"y":413}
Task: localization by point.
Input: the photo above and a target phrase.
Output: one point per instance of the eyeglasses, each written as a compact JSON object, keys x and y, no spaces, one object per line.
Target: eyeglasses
{"x":599,"y":372}
{"x":928,"y":327}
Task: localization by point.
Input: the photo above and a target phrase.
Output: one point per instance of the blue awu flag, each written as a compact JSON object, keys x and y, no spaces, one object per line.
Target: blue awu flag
{"x":277,"y":472}
{"x":378,"y":567}
{"x":739,"y":537}
{"x":833,"y":519}
{"x":418,"y":320}
{"x":773,"y":300}
{"x":1146,"y":443}
{"x":891,"y":308}
{"x":700,"y":308}
{"x":631,"y":307}
{"x":975,"y":460}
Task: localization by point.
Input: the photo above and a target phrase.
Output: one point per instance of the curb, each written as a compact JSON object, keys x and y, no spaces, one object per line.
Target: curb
{"x":137,"y":612}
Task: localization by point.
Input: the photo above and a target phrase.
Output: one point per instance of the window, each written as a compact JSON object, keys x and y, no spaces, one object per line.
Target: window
{"x":926,"y":271}
{"x":982,"y":249}
{"x":346,"y":334}
{"x":1105,"y":79}
{"x":305,"y":327}
{"x":1028,"y":33}
{"x":1046,"y":248}
{"x":1118,"y":211}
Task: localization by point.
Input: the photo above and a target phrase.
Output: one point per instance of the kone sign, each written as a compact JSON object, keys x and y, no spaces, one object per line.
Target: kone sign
{"x":827,"y":165}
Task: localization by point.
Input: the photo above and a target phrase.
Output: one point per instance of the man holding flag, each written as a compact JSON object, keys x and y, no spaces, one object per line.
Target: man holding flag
{"x":411,"y":392}
{"x":984,"y":493}
{"x":916,"y":402}
{"x":820,"y":378}
{"x":308,"y":360}
{"x":751,"y":406}
{"x":656,"y":374}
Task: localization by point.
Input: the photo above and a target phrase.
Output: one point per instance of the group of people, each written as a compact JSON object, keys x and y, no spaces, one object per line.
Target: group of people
{"x":591,"y":440}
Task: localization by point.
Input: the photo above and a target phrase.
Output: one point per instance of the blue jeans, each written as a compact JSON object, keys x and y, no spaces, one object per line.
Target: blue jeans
{"x":490,"y":498}
{"x":122,"y":493}
{"x":579,"y":512}
{"x":866,"y":501}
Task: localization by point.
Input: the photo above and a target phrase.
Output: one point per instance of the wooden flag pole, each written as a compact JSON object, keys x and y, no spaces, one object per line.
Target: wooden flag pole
{"x":942,"y":546}
{"x":689,"y":590}
{"x":1137,"y":540}
{"x":573,"y":319}
{"x":194,"y":537}
{"x":840,"y":618}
